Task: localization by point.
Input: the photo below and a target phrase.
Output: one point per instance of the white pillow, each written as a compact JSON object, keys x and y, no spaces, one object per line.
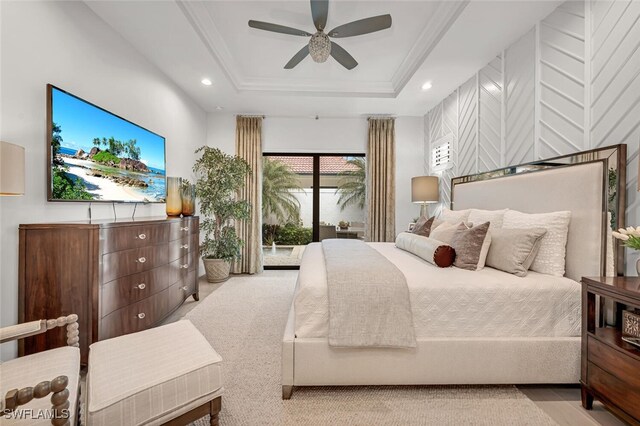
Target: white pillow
{"x":553,"y":247}
{"x":494,"y":217}
{"x":456,"y":216}
{"x":445,"y":231}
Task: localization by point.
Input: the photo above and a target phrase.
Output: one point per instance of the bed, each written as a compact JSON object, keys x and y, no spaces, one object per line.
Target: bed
{"x":472,"y":327}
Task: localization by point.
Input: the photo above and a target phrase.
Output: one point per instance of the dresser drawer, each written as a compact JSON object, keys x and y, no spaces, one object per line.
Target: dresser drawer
{"x":185,"y":287}
{"x":614,"y":362}
{"x":195,"y":242}
{"x":124,"y":291}
{"x":180,"y":229}
{"x":179,"y":248}
{"x":127,"y":262}
{"x":143,"y":314}
{"x":129,"y":237}
{"x":179,"y":269}
{"x":194,"y":261}
{"x":617,"y":389}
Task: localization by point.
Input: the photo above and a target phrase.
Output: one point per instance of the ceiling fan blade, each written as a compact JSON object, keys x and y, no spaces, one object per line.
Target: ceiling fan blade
{"x":363,"y":26}
{"x":319,"y":12}
{"x":343,"y":57}
{"x":277,"y":28}
{"x":298,"y":57}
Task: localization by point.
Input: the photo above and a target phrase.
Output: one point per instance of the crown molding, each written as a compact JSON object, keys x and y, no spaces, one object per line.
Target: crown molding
{"x":198,"y":16}
{"x":445,"y":16}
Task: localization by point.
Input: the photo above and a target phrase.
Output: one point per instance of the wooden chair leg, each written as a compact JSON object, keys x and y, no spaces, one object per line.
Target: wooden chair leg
{"x":216,"y":406}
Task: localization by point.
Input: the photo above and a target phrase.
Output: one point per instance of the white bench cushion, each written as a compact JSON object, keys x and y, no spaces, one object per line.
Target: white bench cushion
{"x":151,"y":376}
{"x":30,"y":370}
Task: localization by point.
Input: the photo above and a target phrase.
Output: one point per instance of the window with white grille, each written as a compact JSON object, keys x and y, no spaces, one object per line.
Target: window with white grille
{"x":441,"y":153}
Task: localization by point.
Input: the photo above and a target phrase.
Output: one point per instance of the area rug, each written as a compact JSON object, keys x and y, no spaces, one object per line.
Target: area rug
{"x":244,"y":320}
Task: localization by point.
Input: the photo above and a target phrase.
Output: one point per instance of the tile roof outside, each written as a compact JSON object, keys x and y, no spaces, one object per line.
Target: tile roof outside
{"x":304,"y":165}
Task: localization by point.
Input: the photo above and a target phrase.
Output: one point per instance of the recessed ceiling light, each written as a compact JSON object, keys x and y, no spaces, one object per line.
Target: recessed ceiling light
{"x":206,"y":82}
{"x":426,"y":86}
{"x":219,"y":108}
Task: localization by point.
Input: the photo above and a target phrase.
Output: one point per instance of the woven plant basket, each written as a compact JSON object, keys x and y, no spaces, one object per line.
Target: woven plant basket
{"x":217,"y":270}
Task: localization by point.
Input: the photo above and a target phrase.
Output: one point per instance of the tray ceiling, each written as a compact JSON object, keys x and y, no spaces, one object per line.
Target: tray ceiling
{"x":444,"y":42}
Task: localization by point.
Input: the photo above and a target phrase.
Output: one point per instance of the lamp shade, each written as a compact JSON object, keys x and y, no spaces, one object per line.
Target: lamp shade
{"x":11,"y":169}
{"x":424,"y":189}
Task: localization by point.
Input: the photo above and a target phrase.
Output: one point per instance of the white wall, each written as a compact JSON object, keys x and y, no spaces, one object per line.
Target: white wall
{"x":65,"y":44}
{"x":570,"y":84}
{"x":335,"y":135}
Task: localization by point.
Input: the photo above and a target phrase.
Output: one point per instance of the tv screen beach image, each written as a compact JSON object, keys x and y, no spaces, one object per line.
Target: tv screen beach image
{"x":97,"y":156}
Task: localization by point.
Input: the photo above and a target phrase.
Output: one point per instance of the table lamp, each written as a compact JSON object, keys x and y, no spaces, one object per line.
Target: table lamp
{"x":424,"y":190}
{"x":11,"y":169}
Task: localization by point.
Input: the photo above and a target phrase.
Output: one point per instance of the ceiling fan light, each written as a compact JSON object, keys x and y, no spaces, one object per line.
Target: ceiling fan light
{"x":319,"y":47}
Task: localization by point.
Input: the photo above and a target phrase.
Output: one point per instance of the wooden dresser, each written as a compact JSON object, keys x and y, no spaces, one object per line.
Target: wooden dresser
{"x":119,"y":277}
{"x":610,"y":366}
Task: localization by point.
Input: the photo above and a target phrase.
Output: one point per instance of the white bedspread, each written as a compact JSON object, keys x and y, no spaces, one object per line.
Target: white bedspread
{"x":452,"y":302}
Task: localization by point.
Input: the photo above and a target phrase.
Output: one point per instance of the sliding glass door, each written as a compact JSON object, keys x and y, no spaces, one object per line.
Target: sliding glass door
{"x":309,"y":197}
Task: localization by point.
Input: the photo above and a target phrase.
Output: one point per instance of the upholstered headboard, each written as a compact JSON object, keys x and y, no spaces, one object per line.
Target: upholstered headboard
{"x":579,"y":188}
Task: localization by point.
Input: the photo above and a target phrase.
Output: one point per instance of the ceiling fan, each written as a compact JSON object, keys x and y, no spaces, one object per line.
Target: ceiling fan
{"x":320,"y":46}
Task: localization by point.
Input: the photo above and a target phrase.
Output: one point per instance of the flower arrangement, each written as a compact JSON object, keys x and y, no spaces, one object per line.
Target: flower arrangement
{"x":629,"y":236}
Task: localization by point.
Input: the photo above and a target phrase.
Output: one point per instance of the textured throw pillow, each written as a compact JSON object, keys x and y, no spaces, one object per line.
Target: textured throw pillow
{"x":495,"y":217}
{"x":423,"y":226}
{"x":471,"y":246}
{"x":433,"y":251}
{"x":445,"y":231}
{"x":513,"y":250}
{"x":454,"y":216}
{"x":553,"y":248}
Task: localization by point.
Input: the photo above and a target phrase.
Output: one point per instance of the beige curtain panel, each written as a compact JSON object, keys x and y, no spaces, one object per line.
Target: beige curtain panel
{"x":381,"y":174}
{"x":249,"y":147}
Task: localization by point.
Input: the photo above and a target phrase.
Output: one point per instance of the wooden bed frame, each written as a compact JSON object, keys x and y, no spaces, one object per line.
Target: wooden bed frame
{"x":580,"y":188}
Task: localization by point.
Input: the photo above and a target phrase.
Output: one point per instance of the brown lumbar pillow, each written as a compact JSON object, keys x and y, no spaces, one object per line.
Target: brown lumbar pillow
{"x":471,"y":246}
{"x":423,"y":226}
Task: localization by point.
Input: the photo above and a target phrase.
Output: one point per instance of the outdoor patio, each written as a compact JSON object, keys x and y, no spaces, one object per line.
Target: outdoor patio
{"x":282,"y":255}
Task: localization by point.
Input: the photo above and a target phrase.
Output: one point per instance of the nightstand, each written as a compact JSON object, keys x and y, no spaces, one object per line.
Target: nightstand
{"x":610,"y":366}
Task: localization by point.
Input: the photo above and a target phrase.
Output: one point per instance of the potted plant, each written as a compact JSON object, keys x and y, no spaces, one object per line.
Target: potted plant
{"x":219,"y":177}
{"x":343,"y":225}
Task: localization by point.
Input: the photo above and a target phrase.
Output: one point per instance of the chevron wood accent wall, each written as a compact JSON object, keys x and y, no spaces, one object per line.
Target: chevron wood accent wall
{"x":467,"y":127}
{"x":615,"y":88}
{"x":450,"y":126}
{"x":434,"y":119}
{"x":562,"y":81}
{"x":490,"y":116}
{"x":569,"y":84}
{"x":519,"y":120}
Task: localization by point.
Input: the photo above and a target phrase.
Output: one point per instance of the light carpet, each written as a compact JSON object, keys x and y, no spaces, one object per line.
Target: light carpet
{"x":244,"y":321}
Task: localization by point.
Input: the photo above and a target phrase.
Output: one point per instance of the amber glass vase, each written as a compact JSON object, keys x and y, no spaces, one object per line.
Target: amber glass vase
{"x":174,"y":196}
{"x":188,"y":199}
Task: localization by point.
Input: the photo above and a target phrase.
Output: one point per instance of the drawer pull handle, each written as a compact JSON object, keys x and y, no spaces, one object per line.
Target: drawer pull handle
{"x":184,"y":246}
{"x":141,"y":286}
{"x":184,"y":228}
{"x":185,"y":266}
{"x":142,"y":259}
{"x":185,"y":288}
{"x":141,"y":315}
{"x":142,"y":236}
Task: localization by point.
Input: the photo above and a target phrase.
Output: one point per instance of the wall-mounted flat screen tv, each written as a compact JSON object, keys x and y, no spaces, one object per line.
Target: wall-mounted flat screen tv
{"x":95,"y":155}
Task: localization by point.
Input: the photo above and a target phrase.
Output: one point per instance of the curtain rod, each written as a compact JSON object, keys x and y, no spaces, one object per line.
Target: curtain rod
{"x":251,"y":116}
{"x":375,"y":117}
